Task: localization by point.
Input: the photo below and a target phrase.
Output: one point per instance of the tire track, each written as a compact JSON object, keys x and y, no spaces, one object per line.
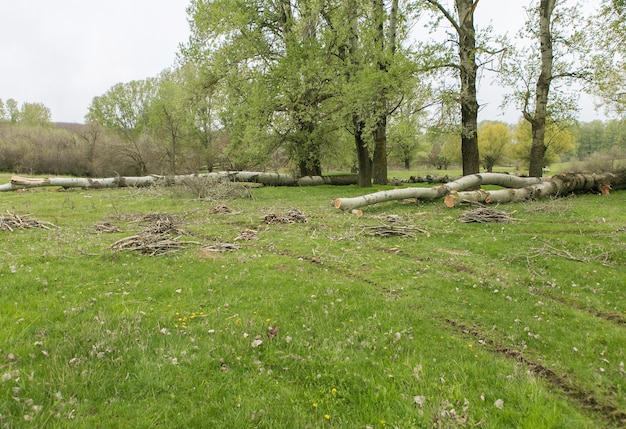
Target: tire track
{"x":588,"y":400}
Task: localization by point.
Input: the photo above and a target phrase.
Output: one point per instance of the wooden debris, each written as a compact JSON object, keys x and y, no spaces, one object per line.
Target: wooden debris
{"x":293,"y":216}
{"x":486,"y":215}
{"x":222,"y":209}
{"x":220,"y":247}
{"x":394,"y":231}
{"x":151,"y":244}
{"x":247,"y":234}
{"x":107,"y":227}
{"x":161,"y":236}
{"x":10,"y":222}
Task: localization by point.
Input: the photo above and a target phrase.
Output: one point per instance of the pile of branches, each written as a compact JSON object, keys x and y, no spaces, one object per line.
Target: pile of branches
{"x":486,"y":215}
{"x":293,"y":216}
{"x":159,"y":223}
{"x":160,"y":237}
{"x":223,"y":209}
{"x":394,"y":231}
{"x":10,"y":222}
{"x":107,"y":227}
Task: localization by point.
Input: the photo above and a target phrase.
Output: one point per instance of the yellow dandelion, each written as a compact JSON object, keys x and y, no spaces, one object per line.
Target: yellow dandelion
{"x":333,"y":390}
{"x":327,"y":416}
{"x":314,"y":404}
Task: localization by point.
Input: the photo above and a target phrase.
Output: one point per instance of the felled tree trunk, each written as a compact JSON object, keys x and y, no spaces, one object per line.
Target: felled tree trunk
{"x":465,"y":182}
{"x":270,"y":179}
{"x":516,"y":189}
{"x":562,"y":184}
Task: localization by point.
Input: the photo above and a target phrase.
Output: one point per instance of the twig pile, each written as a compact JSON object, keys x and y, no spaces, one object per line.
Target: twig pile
{"x":222,"y":209}
{"x":486,"y":215}
{"x":394,"y":231}
{"x":10,"y":222}
{"x":590,"y":255}
{"x":159,"y":223}
{"x":220,"y":247}
{"x":293,"y":216}
{"x":107,"y":227}
{"x":161,"y":236}
{"x":247,"y":235}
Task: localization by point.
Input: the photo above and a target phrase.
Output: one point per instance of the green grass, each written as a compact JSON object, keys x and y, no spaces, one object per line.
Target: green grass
{"x":430,"y":331}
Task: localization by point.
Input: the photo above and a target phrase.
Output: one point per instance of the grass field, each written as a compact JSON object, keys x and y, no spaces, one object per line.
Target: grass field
{"x":320,"y":324}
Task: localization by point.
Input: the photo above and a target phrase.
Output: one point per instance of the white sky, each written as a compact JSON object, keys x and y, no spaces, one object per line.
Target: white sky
{"x":62,"y":53}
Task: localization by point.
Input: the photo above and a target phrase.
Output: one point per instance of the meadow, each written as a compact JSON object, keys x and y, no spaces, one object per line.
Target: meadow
{"x":257,"y":322}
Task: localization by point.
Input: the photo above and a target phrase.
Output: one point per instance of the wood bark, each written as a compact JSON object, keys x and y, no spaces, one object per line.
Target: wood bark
{"x":468,"y":69}
{"x":563,"y":184}
{"x":516,"y":189}
{"x":270,"y":179}
{"x":463,"y":183}
{"x":538,"y":119}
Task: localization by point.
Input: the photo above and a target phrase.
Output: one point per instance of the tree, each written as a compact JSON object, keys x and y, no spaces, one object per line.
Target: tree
{"x":123,"y":109}
{"x":465,"y":38}
{"x":558,"y":140}
{"x":494,"y":138}
{"x":35,"y":114}
{"x":12,"y":111}
{"x":608,"y":34}
{"x":275,"y":71}
{"x":170,"y":118}
{"x":543,"y":73}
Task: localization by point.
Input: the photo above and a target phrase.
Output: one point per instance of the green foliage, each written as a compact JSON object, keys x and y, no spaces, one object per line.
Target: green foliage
{"x":30,"y":114}
{"x":491,"y":325}
{"x":494,"y":140}
{"x":607,"y":32}
{"x":558,"y":142}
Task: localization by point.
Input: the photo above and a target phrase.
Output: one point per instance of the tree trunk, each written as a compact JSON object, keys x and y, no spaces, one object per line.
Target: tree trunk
{"x":379,"y":162}
{"x":468,"y":70}
{"x":270,"y":179}
{"x":563,"y":184}
{"x":463,"y":183}
{"x":363,"y":155}
{"x":538,"y":120}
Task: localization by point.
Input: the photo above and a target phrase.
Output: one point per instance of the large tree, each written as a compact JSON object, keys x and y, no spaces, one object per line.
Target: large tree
{"x":123,"y":109}
{"x":464,"y":36}
{"x":542,"y":74}
{"x":276,"y":73}
{"x":494,"y":139}
{"x":608,"y":32}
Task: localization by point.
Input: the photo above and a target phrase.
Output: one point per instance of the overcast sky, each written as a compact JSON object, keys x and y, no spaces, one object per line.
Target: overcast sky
{"x":62,"y":53}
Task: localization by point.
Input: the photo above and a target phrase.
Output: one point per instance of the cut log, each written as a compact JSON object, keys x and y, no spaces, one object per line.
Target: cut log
{"x":465,"y":182}
{"x":562,"y":184}
{"x":516,"y":189}
{"x":270,"y":179}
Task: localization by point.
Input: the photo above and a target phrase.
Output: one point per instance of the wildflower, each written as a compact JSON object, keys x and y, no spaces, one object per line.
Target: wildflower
{"x":327,"y":416}
{"x":314,"y":404}
{"x":333,"y":390}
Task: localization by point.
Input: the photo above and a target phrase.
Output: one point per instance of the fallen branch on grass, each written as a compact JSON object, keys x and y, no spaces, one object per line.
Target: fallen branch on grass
{"x":161,"y":236}
{"x":394,"y":231}
{"x":486,"y":215}
{"x":10,"y":222}
{"x":152,"y":245}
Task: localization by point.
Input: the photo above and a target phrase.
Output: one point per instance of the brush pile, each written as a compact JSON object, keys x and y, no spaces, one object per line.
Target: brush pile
{"x":11,"y":222}
{"x":486,"y":215}
{"x":394,"y":231}
{"x":293,"y":216}
{"x":160,"y":236}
